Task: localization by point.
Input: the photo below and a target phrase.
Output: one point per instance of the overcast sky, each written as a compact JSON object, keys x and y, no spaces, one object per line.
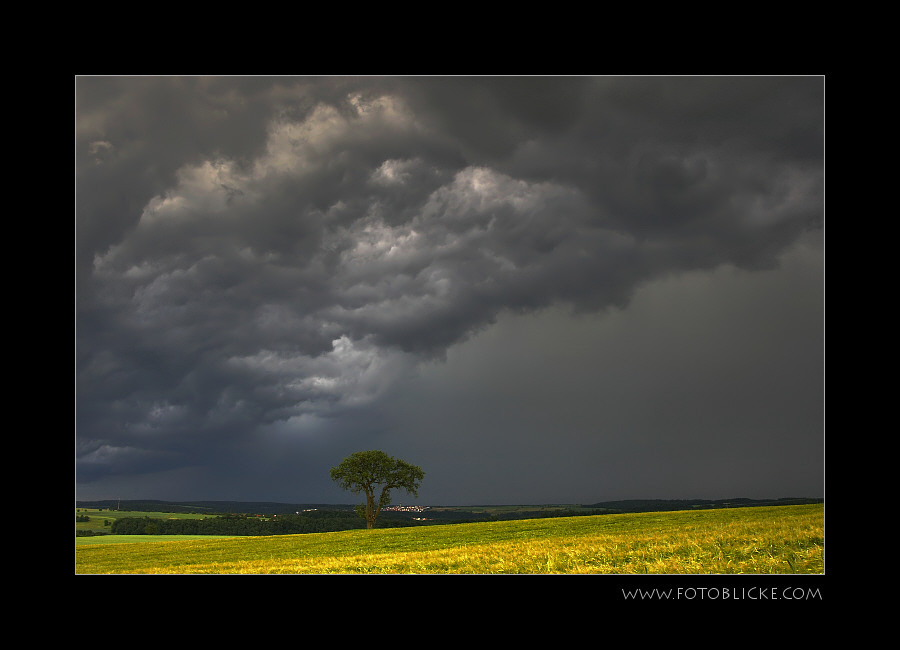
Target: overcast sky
{"x":538,"y":289}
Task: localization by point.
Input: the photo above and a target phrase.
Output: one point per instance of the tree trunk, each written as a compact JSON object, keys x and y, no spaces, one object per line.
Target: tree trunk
{"x":370,"y":511}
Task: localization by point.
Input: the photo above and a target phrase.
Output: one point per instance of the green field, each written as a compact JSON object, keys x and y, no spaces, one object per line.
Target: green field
{"x":101,"y":520}
{"x":763,"y":540}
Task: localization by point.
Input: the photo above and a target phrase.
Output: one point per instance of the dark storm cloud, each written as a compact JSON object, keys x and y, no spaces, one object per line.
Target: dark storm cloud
{"x":707,"y":384}
{"x":262,"y":254}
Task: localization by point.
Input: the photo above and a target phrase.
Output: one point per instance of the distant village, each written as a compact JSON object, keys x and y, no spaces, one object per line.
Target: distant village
{"x":406,"y":508}
{"x":391,"y":509}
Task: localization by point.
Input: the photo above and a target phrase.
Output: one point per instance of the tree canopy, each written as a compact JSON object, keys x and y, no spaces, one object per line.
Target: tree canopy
{"x":374,"y":472}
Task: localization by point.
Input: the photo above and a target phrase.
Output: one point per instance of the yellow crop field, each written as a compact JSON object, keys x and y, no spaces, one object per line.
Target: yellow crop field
{"x":764,"y":540}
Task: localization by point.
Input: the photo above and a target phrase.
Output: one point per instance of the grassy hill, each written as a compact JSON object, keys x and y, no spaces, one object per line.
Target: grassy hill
{"x":757,"y":540}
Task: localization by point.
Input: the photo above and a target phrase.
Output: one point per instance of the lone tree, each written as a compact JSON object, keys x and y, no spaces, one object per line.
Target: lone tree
{"x":367,"y":471}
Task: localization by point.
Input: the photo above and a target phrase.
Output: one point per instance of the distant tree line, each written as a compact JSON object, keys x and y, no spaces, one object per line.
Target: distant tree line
{"x":663,"y":505}
{"x":321,"y":521}
{"x":317,"y":521}
{"x":324,"y":521}
{"x":206,"y":507}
